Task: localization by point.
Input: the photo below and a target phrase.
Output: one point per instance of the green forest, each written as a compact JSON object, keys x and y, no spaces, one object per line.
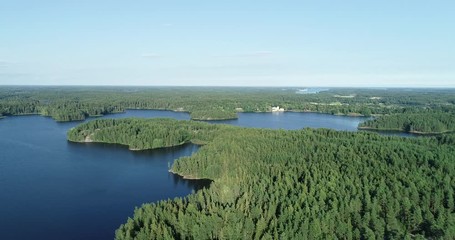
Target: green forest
{"x":431,"y":122}
{"x":300,"y":184}
{"x":140,"y":134}
{"x":215,"y":103}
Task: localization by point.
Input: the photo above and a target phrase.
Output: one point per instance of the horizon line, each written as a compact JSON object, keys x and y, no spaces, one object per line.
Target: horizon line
{"x":225,"y":86}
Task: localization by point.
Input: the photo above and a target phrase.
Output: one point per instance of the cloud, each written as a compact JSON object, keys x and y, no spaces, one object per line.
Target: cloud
{"x":4,"y":63}
{"x":255,"y":54}
{"x":151,"y":55}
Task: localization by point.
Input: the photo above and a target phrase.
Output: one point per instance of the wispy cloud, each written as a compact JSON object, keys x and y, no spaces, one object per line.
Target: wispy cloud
{"x":257,"y":54}
{"x":151,"y":55}
{"x":4,"y":63}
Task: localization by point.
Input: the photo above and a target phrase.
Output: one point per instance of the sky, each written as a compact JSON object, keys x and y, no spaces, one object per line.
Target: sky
{"x":387,"y":43}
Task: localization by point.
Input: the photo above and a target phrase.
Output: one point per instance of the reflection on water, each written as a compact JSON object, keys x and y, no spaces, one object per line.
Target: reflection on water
{"x":195,"y":184}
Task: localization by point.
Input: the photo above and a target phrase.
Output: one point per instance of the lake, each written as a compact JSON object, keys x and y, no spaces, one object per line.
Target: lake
{"x":295,"y":120}
{"x":55,"y":189}
{"x":298,"y":120}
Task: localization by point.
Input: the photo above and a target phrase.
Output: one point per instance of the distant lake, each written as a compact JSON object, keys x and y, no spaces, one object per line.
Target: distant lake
{"x":295,"y":120}
{"x":299,"y":120}
{"x":55,"y":189}
{"x":311,"y":90}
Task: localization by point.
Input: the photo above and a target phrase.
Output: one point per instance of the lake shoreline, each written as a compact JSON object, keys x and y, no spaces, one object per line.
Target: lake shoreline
{"x":214,"y":119}
{"x":89,"y":140}
{"x":188,"y":177}
{"x":188,"y":112}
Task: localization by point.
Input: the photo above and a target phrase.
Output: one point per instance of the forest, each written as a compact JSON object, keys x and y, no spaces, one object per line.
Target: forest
{"x":299,"y":184}
{"x":216,"y":103}
{"x":432,"y":122}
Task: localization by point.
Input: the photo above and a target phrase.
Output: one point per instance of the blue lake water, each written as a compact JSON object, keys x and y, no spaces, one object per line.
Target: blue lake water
{"x":55,"y":189}
{"x":298,"y":120}
{"x":295,"y":120}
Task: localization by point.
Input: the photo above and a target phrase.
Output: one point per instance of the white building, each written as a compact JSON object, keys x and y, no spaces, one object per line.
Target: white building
{"x":277,"y":109}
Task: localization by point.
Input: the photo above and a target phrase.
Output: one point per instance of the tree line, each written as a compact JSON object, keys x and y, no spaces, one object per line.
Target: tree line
{"x":203,"y":103}
{"x":429,"y":122}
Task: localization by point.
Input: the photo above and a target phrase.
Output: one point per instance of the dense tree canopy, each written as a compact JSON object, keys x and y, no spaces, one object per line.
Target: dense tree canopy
{"x":303,"y":184}
{"x":141,"y":134}
{"x":429,"y":122}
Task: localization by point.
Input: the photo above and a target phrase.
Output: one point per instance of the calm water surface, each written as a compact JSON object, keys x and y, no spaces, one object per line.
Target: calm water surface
{"x":298,"y":120}
{"x":295,"y":120}
{"x":54,"y":189}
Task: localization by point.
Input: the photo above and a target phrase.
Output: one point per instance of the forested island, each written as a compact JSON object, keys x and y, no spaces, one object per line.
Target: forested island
{"x":301,"y":184}
{"x":218,"y":103}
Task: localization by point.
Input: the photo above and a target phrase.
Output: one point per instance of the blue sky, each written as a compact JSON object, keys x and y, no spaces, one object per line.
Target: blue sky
{"x":228,"y":43}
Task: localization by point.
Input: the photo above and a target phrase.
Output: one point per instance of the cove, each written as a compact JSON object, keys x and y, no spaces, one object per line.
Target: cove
{"x":55,"y":189}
